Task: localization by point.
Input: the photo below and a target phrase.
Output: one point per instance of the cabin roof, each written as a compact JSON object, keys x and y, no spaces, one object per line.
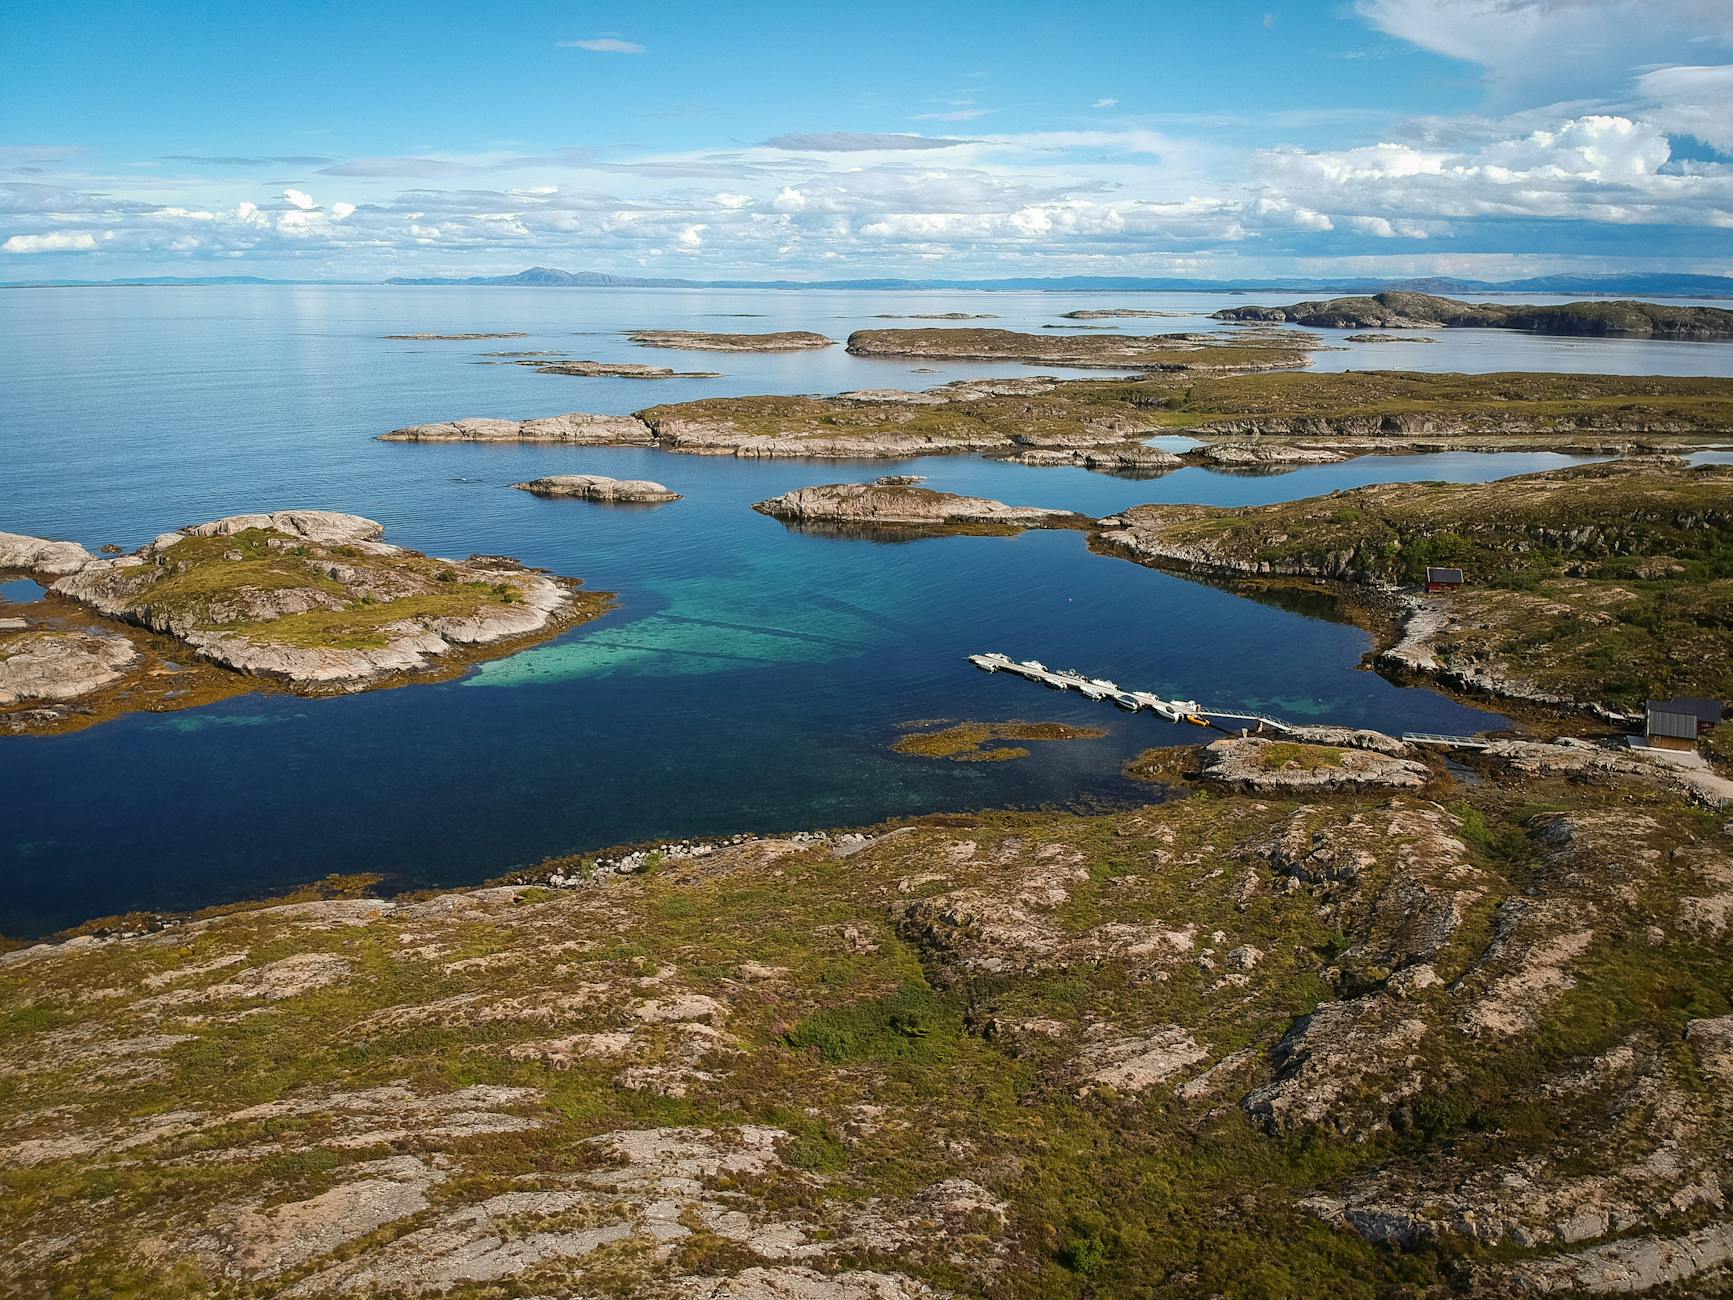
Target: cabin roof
{"x":1704,"y":710}
{"x":1443,"y":575}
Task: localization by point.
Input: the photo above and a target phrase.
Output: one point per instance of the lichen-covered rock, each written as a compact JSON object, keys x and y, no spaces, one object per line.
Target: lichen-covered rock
{"x":699,"y":341}
{"x":1263,"y":453}
{"x":577,"y":427}
{"x":313,"y":598}
{"x":1254,"y":763}
{"x":60,"y":665}
{"x":40,"y":556}
{"x":876,"y":503}
{"x":597,"y":487}
{"x":1361,"y":1051}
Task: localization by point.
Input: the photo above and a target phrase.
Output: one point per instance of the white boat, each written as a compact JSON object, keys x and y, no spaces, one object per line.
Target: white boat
{"x":1127,"y":700}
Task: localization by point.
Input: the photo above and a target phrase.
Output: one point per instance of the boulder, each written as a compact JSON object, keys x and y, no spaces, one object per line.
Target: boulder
{"x":40,"y":555}
{"x":57,"y":665}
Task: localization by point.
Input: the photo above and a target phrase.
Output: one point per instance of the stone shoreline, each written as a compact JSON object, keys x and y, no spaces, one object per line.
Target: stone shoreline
{"x":309,"y":601}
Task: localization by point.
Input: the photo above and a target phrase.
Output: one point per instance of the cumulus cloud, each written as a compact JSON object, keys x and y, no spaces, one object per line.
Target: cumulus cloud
{"x":1600,"y":168}
{"x":857,"y":142}
{"x":65,"y":241}
{"x":1128,"y":200}
{"x":604,"y":45}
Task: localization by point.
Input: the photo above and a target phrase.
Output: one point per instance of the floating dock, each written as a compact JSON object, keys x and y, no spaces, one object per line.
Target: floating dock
{"x":1099,"y":688}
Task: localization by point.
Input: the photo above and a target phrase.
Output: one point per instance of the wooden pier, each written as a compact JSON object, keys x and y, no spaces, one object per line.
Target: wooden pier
{"x":1099,"y":688}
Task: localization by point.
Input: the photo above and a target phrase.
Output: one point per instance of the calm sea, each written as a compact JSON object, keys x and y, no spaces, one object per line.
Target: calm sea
{"x":751,"y":677}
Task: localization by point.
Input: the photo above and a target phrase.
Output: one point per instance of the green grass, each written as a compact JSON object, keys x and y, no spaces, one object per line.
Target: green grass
{"x":891,"y":1063}
{"x":1605,"y":583}
{"x":1309,"y":758}
{"x":198,"y":573}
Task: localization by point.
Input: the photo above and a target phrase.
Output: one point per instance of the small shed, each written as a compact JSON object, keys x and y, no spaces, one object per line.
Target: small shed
{"x":1443,"y":579}
{"x":1676,"y":723}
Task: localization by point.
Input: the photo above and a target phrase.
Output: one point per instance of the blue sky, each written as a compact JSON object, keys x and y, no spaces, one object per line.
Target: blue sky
{"x":801,"y":140}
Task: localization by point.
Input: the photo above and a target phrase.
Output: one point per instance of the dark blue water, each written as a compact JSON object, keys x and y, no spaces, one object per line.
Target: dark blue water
{"x":750,"y":679}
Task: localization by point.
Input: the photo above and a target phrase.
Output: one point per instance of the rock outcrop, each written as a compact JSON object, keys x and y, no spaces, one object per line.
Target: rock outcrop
{"x":1257,"y":454}
{"x":875,"y":503}
{"x":313,"y":599}
{"x":698,"y":341}
{"x":615,"y":370}
{"x":1117,"y":313}
{"x":578,"y":427}
{"x":55,"y":665}
{"x":596,"y":487}
{"x":1254,"y":763}
{"x":41,"y":557}
{"x":447,"y":338}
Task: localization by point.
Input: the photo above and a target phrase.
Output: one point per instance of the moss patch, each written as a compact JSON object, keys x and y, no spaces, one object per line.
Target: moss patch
{"x":969,"y":741}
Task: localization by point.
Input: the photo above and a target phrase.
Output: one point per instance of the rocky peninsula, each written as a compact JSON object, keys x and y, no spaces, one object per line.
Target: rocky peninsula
{"x":1446,"y":1040}
{"x":699,"y":341}
{"x":1397,"y":309}
{"x":596,"y":487}
{"x":306,"y":600}
{"x":1592,"y":587}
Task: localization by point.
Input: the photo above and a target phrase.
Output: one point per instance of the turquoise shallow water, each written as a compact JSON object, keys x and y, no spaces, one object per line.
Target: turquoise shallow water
{"x":750,"y":679}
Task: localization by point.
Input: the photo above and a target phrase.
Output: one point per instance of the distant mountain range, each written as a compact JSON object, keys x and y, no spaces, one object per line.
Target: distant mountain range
{"x":1644,"y":284}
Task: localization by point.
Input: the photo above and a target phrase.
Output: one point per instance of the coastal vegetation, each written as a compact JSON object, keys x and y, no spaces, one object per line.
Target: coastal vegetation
{"x":985,"y":742}
{"x":1600,"y":585}
{"x":994,"y":1054}
{"x":1352,"y":413}
{"x":308,"y":600}
{"x":1180,"y":352}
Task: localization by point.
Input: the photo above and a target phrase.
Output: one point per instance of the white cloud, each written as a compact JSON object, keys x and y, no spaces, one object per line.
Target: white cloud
{"x":726,"y":200}
{"x":1694,"y":101}
{"x":342,"y":211}
{"x":955,"y":115}
{"x":856,"y":142}
{"x":604,"y":45}
{"x":1555,"y":49}
{"x":299,"y":199}
{"x":1598,"y":168}
{"x":1276,"y":211}
{"x":1105,"y":103}
{"x":64,"y":241}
